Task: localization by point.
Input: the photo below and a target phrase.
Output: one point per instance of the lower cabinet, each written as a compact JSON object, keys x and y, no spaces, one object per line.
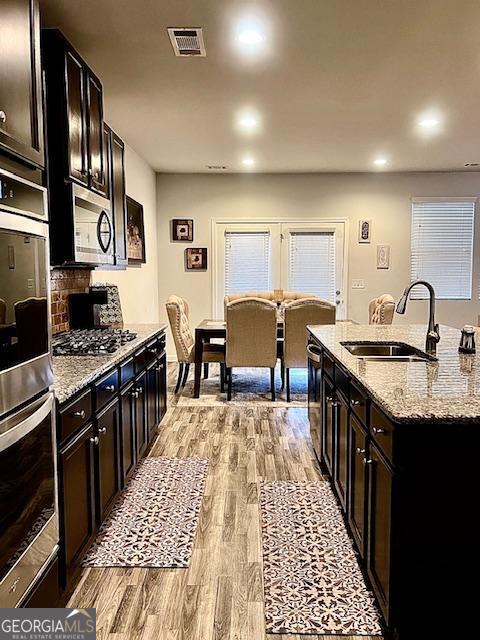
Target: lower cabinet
{"x":107,"y":460}
{"x":380,"y":483}
{"x":128,"y":429}
{"x":329,"y":409}
{"x":340,"y":468}
{"x":156,"y":395}
{"x":357,"y":486}
{"x":140,"y":397}
{"x":77,"y":505}
{"x":46,"y":590}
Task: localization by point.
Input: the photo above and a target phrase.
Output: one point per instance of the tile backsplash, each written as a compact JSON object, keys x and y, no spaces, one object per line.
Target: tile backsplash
{"x":62,"y":283}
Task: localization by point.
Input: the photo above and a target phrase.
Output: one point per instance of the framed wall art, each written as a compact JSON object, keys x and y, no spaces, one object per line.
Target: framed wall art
{"x":196,"y":259}
{"x":364,"y":231}
{"x":182,"y":230}
{"x":383,"y":256}
{"x":135,"y":232}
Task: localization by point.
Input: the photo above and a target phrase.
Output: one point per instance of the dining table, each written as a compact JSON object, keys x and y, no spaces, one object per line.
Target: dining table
{"x":209,"y":330}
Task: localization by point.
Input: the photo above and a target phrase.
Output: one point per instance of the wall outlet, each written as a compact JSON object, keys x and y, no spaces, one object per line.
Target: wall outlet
{"x":30,"y":283}
{"x":358,"y":284}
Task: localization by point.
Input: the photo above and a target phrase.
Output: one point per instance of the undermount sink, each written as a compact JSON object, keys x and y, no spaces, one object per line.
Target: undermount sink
{"x":387,"y":351}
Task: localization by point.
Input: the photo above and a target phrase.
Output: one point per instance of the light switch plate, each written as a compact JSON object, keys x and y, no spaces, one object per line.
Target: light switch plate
{"x":358,"y":284}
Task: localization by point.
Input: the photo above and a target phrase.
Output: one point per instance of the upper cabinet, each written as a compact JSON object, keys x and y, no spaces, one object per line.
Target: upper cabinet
{"x":21,"y":130}
{"x":74,"y":103}
{"x":119,"y":205}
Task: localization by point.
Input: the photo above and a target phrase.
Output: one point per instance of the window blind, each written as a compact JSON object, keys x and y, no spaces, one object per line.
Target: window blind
{"x":247,"y":261}
{"x":442,"y":248}
{"x":311,"y":265}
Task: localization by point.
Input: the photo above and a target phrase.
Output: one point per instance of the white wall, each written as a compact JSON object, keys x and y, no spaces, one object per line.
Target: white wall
{"x":382,"y":197}
{"x":138,"y":286}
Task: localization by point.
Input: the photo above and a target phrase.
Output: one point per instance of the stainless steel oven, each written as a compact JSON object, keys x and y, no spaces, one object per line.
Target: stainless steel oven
{"x":93,"y":228}
{"x":28,"y":510}
{"x":25,"y":361}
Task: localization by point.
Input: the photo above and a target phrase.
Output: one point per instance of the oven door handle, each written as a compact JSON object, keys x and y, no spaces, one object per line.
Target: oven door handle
{"x":26,"y":424}
{"x":313,"y":355}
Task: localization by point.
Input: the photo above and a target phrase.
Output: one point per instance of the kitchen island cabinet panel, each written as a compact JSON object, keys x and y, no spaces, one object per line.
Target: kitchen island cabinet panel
{"x":108,"y":459}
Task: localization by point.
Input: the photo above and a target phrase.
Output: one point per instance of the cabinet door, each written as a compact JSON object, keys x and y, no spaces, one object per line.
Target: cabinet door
{"x":379,"y":525}
{"x":107,"y":153}
{"x":119,"y":204}
{"x":127,"y":408}
{"x":329,"y":408}
{"x":161,"y":370}
{"x":152,"y":399}
{"x":108,"y":484}
{"x":77,"y":512}
{"x":77,"y":123}
{"x":357,"y":482}
{"x":140,"y":417}
{"x":315,"y":407}
{"x":341,"y":451}
{"x":21,"y":130}
{"x":95,"y":136}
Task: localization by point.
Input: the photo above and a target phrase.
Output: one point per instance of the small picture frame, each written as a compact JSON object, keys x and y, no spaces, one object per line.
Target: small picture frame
{"x":383,"y":256}
{"x":364,"y":231}
{"x":182,"y":230}
{"x":196,"y":259}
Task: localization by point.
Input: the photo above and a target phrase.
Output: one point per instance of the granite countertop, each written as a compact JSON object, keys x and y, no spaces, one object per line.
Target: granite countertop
{"x":73,"y":373}
{"x":447,"y":390}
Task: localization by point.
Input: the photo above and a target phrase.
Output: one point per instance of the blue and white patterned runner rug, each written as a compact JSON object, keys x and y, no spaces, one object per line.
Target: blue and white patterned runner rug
{"x":154,"y":520}
{"x":312,"y":581}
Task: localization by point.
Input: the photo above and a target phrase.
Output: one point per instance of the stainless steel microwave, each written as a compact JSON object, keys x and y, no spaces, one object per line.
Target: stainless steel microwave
{"x":93,"y":227}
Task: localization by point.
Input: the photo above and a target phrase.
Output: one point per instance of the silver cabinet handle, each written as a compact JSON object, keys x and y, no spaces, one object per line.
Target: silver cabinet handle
{"x":355,"y":403}
{"x":360,"y":451}
{"x":160,"y":367}
{"x":378,"y":430}
{"x":153,"y":351}
{"x":3,"y":117}
{"x":94,"y":440}
{"x":314,"y":355}
{"x":102,"y":430}
{"x":79,"y":414}
{"x":134,"y":394}
{"x":367,"y":461}
{"x":139,"y":390}
{"x":110,"y":387}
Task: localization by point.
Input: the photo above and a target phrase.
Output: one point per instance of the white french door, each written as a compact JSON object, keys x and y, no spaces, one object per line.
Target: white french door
{"x":308,"y":257}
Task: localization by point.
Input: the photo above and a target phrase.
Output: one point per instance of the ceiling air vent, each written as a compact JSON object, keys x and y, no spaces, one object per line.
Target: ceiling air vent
{"x":217,"y":167}
{"x":187,"y":42}
{"x":472,"y":164}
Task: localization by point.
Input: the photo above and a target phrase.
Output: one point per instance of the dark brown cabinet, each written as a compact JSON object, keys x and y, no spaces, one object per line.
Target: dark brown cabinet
{"x":74,"y":109}
{"x":379,"y":527}
{"x":127,"y":405}
{"x":340,"y":468}
{"x":329,"y":409}
{"x":141,"y":438}
{"x":108,"y":459}
{"x":357,"y":485}
{"x":118,"y":198}
{"x":77,"y":521}
{"x":156,"y":403}
{"x":21,"y":123}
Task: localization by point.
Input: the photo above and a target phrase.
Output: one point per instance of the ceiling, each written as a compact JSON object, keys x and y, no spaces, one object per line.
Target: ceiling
{"x":339,"y":83}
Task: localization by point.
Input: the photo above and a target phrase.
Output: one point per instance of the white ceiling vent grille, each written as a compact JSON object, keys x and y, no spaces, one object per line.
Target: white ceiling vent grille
{"x":187,"y":42}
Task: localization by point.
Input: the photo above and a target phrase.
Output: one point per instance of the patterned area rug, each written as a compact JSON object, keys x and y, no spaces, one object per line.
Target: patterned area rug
{"x":312,"y":581}
{"x":250,"y":386}
{"x":154,"y":520}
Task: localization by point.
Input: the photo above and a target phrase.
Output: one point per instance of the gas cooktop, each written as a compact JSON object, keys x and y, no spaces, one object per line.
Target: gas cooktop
{"x":90,"y":342}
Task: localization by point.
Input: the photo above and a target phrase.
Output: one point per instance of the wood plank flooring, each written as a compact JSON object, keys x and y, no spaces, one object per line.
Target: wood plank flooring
{"x":220,"y":595}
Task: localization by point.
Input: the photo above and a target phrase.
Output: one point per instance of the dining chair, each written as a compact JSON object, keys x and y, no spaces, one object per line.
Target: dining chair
{"x":381,"y":310}
{"x":297,"y":315}
{"x":251,"y":337}
{"x":178,"y":315}
{"x":3,"y":311}
{"x":278,"y":295}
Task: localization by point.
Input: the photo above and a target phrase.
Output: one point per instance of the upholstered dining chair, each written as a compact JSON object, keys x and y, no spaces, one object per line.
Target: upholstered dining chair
{"x":297,"y":315}
{"x":178,"y":315}
{"x":278,"y":296}
{"x":381,"y":310}
{"x":251,"y":337}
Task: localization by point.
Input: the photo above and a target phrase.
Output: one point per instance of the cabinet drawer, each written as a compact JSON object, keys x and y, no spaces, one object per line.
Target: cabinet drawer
{"x":140,"y":359}
{"x":152,"y":351}
{"x":328,"y":365}
{"x":382,"y":431}
{"x":127,"y":371}
{"x":341,"y":381}
{"x":161,"y":341}
{"x":358,"y":402}
{"x":75,"y":414}
{"x":106,"y":389}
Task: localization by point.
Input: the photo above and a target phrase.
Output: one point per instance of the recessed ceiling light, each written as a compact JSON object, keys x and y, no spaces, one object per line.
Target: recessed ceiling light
{"x":248,"y":161}
{"x":380,"y":161}
{"x":251,"y":37}
{"x":429,"y":123}
{"x":248,"y":121}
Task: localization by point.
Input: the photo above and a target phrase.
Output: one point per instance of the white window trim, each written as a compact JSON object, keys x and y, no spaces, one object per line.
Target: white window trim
{"x":257,"y":224}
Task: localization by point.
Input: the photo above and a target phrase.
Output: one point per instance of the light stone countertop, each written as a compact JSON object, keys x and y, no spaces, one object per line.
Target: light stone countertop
{"x":74,"y":373}
{"x":446,"y":391}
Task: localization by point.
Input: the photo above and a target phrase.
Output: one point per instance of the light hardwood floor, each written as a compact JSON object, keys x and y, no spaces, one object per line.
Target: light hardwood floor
{"x":220,"y":595}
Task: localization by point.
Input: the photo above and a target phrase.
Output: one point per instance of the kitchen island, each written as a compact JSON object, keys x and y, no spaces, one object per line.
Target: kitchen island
{"x":398,"y":440}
